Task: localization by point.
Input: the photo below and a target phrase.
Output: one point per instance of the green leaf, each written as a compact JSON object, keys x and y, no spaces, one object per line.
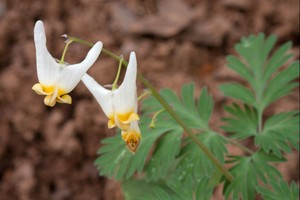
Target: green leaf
{"x":242,"y":122}
{"x":279,"y":131}
{"x":267,"y":47}
{"x":280,"y":85}
{"x":142,"y":190}
{"x":162,"y":143}
{"x":167,"y":149}
{"x":205,"y":106}
{"x":277,"y":60}
{"x":239,"y":92}
{"x":249,"y":171}
{"x":194,"y":116}
{"x":242,"y":69}
{"x":187,"y":95}
{"x":280,"y":190}
{"x":250,"y":49}
{"x":259,"y":69}
{"x":116,"y":161}
{"x":167,"y":190}
{"x":195,"y":162}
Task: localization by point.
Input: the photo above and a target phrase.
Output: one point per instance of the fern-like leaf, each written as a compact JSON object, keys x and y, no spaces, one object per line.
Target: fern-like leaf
{"x":259,"y":69}
{"x":280,"y":190}
{"x":242,"y":122}
{"x":266,"y":84}
{"x":248,"y":171}
{"x":279,"y":132}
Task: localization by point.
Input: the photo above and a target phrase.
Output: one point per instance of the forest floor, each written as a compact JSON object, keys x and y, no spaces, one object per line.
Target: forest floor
{"x":48,"y":153}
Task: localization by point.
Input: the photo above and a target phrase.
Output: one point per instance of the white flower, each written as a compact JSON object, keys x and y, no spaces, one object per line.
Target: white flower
{"x":120,"y":105}
{"x":57,"y":80}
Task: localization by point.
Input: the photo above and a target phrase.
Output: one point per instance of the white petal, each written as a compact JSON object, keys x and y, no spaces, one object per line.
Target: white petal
{"x":125,"y":97}
{"x":102,"y":95}
{"x":47,"y":67}
{"x":72,"y":74}
{"x":135,"y":126}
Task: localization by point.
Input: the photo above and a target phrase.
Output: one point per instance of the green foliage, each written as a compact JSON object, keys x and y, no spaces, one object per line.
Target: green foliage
{"x":171,"y":190}
{"x":267,"y":84}
{"x":260,"y":70}
{"x":283,"y":130}
{"x":249,"y":171}
{"x":173,"y":161}
{"x":280,"y":190}
{"x":169,"y":165}
{"x":242,"y":121}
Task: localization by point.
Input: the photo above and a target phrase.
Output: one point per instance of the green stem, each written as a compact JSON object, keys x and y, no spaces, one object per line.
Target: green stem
{"x":152,"y":123}
{"x":168,"y":109}
{"x":114,"y":86}
{"x":235,"y":143}
{"x":145,"y":93}
{"x":185,"y":127}
{"x":62,"y":60}
{"x":260,"y":113}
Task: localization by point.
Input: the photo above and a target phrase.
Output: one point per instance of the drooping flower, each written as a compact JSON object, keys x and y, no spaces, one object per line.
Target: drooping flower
{"x":132,"y":136}
{"x":56,"y":80}
{"x":120,"y":105}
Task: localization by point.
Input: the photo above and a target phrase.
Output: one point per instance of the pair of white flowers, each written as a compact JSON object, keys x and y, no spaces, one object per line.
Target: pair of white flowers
{"x":57,"y":79}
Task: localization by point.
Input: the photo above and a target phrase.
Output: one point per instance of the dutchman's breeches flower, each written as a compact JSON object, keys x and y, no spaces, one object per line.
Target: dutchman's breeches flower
{"x":57,"y":79}
{"x":120,"y":105}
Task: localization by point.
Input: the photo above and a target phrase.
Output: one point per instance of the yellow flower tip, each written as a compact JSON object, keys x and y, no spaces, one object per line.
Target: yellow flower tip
{"x":38,"y":88}
{"x":133,"y":117}
{"x":128,"y":117}
{"x":132,"y":140}
{"x":49,"y":101}
{"x":64,"y":99}
{"x":111,"y":123}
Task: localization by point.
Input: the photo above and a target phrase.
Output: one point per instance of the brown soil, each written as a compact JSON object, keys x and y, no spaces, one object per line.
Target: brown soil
{"x":48,"y":153}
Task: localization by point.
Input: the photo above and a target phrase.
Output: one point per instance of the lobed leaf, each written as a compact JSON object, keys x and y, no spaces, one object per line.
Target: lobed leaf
{"x":242,"y":122}
{"x":239,"y":92}
{"x":249,"y":171}
{"x":205,"y":106}
{"x":280,"y":190}
{"x":279,"y":131}
{"x":281,"y":84}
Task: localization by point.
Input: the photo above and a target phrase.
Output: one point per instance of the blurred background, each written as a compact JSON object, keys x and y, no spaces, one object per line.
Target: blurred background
{"x":48,"y":153}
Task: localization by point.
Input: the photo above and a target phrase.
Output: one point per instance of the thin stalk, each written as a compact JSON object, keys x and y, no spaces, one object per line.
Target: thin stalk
{"x":235,"y":143}
{"x":62,"y":60}
{"x":145,"y":93}
{"x":259,"y":121}
{"x":168,"y":109}
{"x":114,"y":86}
{"x":152,"y":123}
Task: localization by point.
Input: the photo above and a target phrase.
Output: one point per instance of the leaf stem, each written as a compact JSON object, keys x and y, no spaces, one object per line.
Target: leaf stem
{"x":259,"y":121}
{"x":168,"y":108}
{"x":235,"y":143}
